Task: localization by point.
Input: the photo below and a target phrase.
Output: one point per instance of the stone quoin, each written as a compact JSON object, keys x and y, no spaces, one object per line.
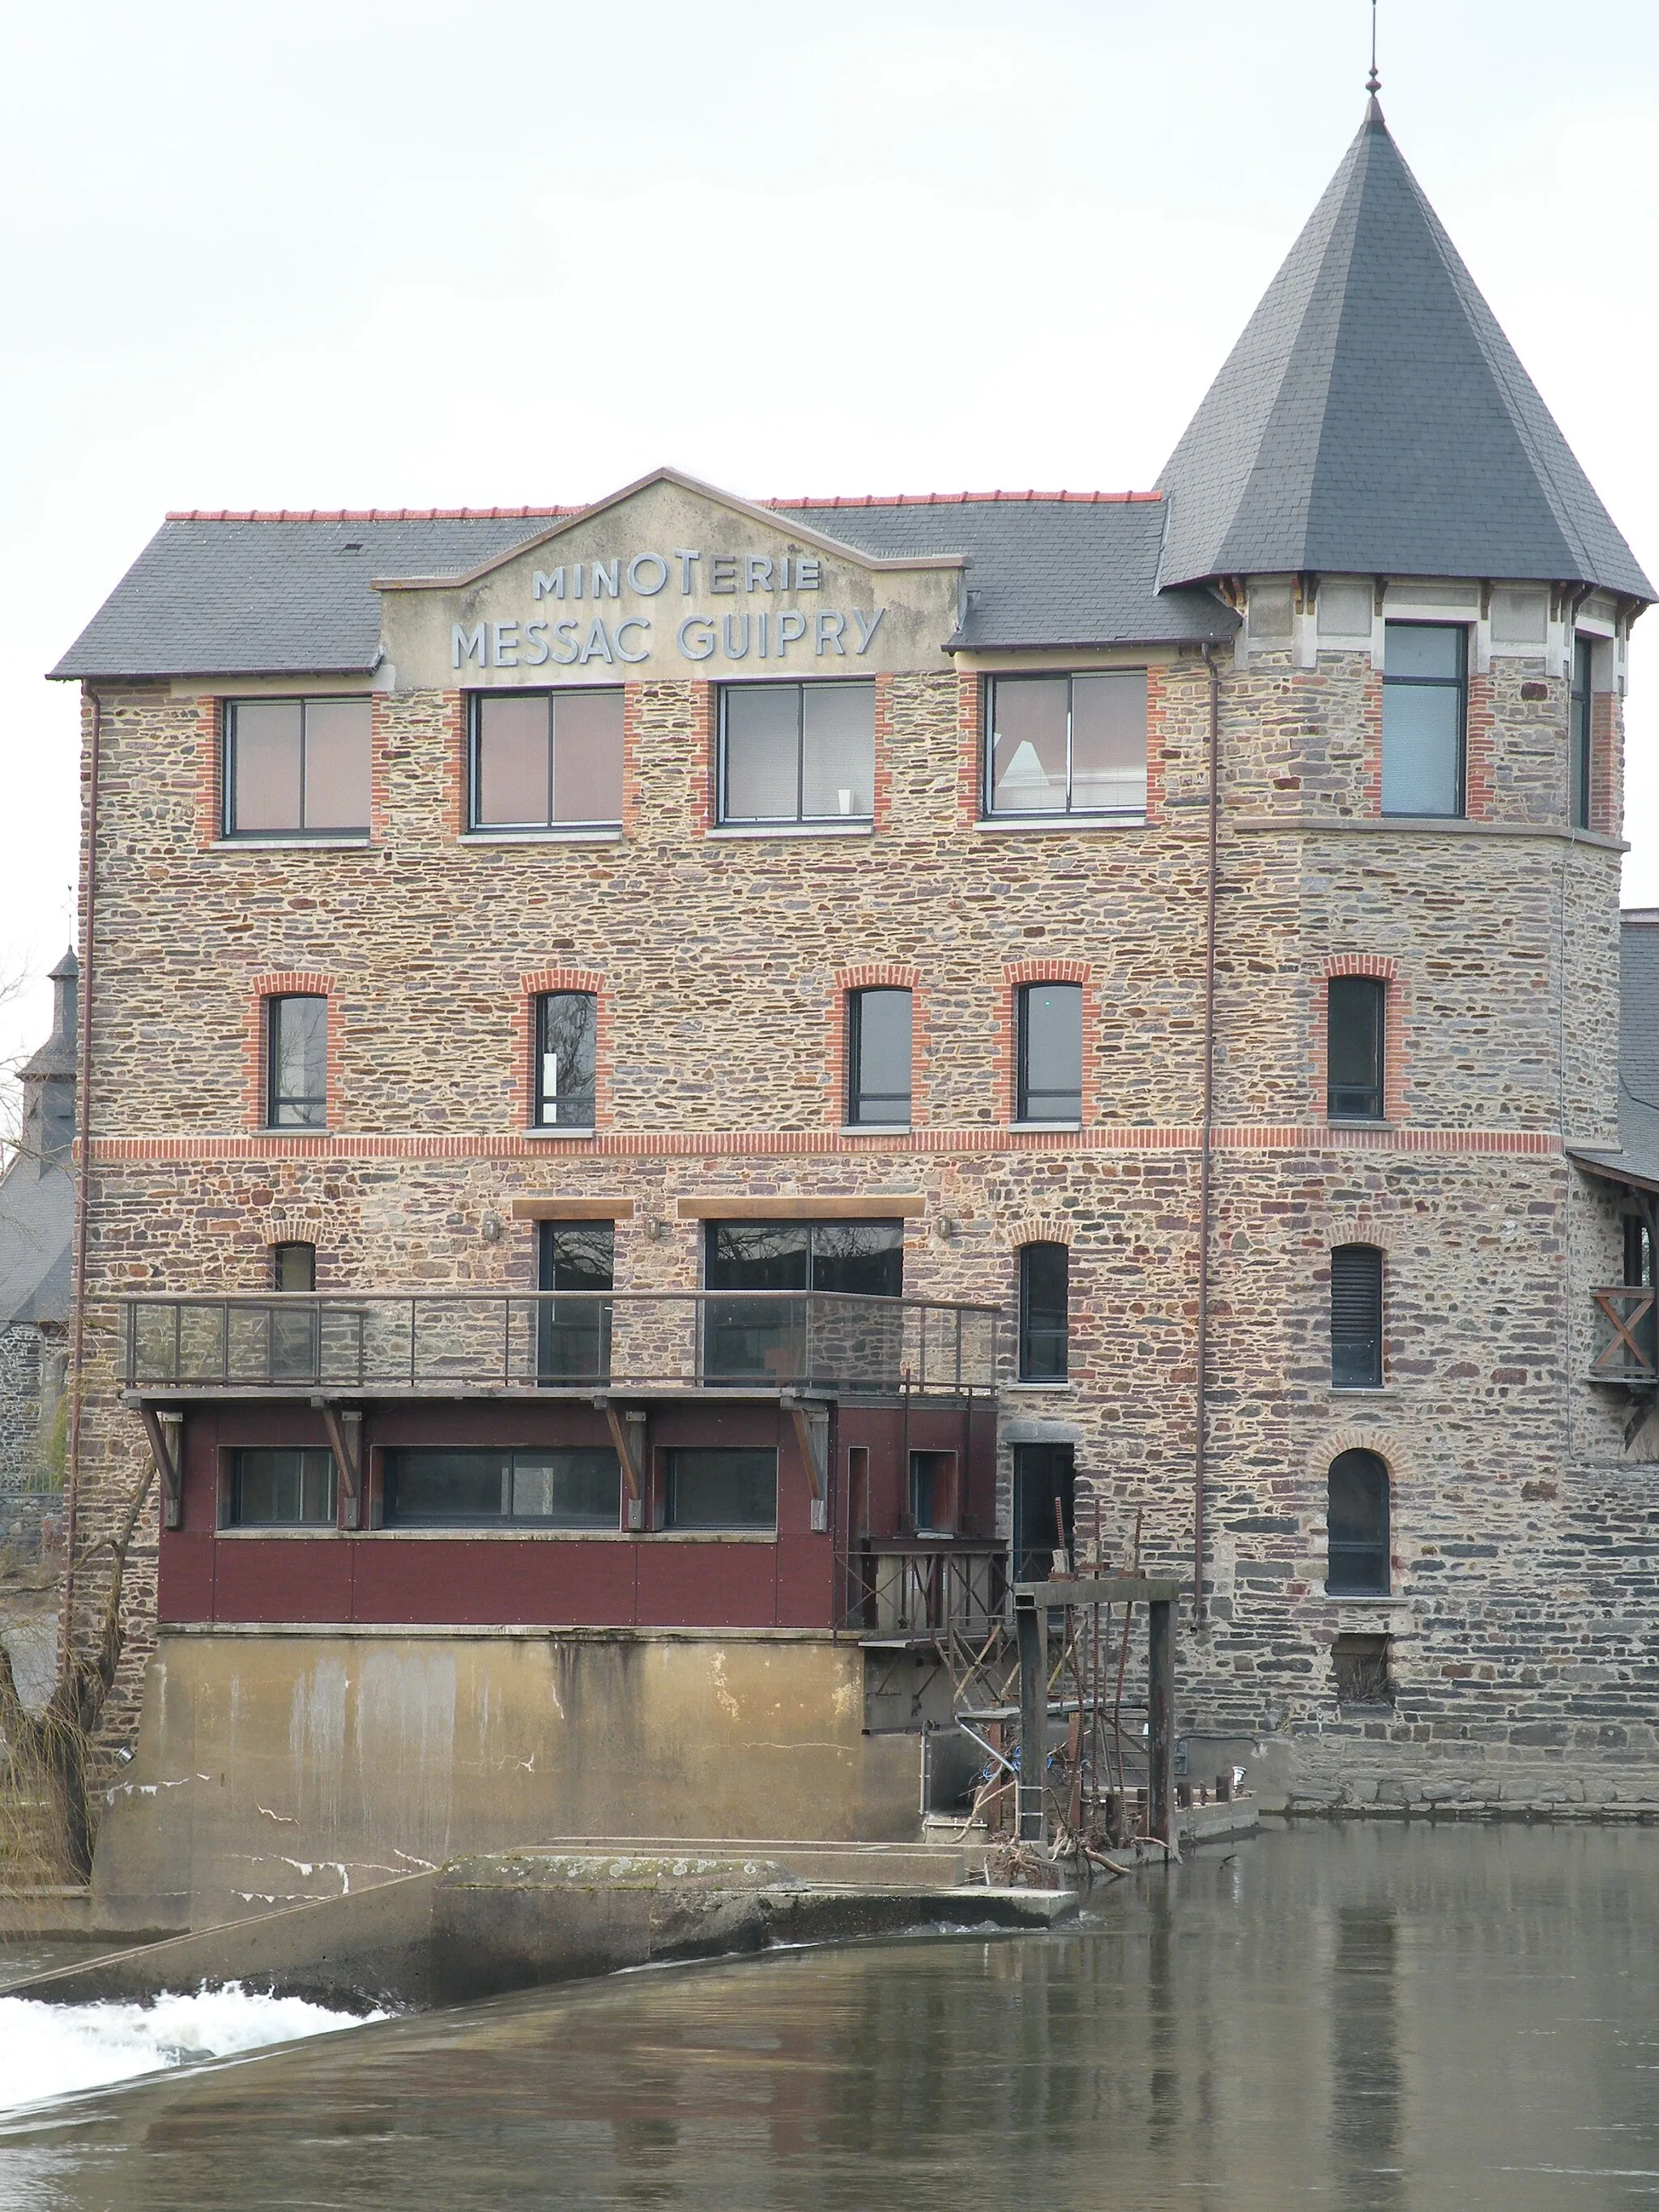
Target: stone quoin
{"x":661,"y":1072}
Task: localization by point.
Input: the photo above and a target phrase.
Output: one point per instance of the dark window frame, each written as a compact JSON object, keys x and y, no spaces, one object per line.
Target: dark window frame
{"x":857,"y":1096}
{"x":1377,"y":990}
{"x":725,"y":819}
{"x":477,"y":828}
{"x":1460,"y":683}
{"x":670,"y":1517}
{"x":356,"y":832}
{"x":1032,"y":1366}
{"x":990,"y":811}
{"x":1357,"y":1291}
{"x":285,"y":1259}
{"x":506,"y":1456}
{"x":538,"y":1101}
{"x":275,"y":1098}
{"x":1350,"y":1578}
{"x":1023,"y":1091}
{"x":1581,"y":724}
{"x":310,"y":1456}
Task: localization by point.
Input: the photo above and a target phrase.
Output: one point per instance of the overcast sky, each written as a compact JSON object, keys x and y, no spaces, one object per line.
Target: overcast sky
{"x":389,"y":253}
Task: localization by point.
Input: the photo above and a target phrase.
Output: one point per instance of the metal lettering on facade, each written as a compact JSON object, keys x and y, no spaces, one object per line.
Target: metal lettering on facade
{"x":755,"y":634}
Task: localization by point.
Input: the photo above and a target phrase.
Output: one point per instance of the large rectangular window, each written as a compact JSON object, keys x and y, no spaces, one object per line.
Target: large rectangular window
{"x":878,"y":1057}
{"x":1044,"y":1287}
{"x":547,"y":760}
{"x":282,"y":1490}
{"x":1424,"y":713}
{"x":567,"y":1060}
{"x":797,"y":752}
{"x":573,"y":1487}
{"x":779,"y":1341}
{"x":1354,"y":1042}
{"x":1049,"y":1048}
{"x":1067,"y":744}
{"x":574,"y":1332}
{"x":297,"y":767}
{"x":296,"y":1063}
{"x":1356,"y":1317}
{"x":722,"y":1489}
{"x":1580,"y":748}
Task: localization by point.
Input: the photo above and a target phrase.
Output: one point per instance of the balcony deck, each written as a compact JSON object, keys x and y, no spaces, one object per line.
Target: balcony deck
{"x":449,"y":1344}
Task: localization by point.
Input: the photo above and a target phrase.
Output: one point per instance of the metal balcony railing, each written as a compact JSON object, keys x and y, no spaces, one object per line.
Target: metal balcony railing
{"x":1627,"y":1337}
{"x":439,"y":1342}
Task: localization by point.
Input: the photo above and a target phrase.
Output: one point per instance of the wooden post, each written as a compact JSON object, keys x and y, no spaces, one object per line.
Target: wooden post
{"x":1031,"y":1623}
{"x":1160,"y":1720}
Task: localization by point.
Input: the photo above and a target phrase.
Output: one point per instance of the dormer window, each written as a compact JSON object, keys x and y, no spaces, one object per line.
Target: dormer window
{"x":1425,"y":696}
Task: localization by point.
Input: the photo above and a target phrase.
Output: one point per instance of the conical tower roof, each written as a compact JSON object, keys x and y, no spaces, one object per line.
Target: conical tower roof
{"x":1374,"y":419}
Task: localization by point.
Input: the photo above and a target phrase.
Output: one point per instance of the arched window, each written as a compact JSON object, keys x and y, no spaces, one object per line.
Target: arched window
{"x":1358,"y":1519}
{"x":1043,"y":1301}
{"x":1356,"y":1317}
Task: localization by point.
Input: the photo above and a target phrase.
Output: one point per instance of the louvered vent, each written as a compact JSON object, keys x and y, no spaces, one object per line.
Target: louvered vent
{"x":1356,"y":1317}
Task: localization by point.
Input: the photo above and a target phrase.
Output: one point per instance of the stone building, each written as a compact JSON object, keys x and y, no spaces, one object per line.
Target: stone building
{"x":37,"y":1218}
{"x":676,"y":1084}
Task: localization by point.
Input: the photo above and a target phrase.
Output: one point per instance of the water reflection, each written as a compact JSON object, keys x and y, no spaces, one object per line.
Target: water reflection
{"x":1384,"y":2018}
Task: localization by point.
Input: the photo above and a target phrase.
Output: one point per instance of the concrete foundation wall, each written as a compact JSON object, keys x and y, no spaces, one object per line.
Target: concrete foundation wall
{"x":272,"y":1769}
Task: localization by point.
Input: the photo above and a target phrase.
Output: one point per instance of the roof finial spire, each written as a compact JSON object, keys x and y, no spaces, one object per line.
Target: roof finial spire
{"x":1373,"y":83}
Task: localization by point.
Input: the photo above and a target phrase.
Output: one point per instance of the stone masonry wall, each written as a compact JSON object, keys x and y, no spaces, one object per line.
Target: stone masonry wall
{"x":1522,"y":1524}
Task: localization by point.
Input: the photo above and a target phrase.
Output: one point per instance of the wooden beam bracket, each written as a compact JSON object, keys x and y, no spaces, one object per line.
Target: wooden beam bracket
{"x":813,"y":1433}
{"x":345,"y":1437}
{"x":628,"y":1434}
{"x":165,"y":1432}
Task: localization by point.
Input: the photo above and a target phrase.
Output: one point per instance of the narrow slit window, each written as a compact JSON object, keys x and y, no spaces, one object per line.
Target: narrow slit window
{"x":1044,"y":1272}
{"x":1354,"y":1043}
{"x":1582,"y":703}
{"x":1049,"y":1049}
{"x":567,"y":1060}
{"x":878,"y":1047}
{"x":297,"y":767}
{"x":1424,"y":716}
{"x":1356,"y":1317}
{"x":297,"y":1062}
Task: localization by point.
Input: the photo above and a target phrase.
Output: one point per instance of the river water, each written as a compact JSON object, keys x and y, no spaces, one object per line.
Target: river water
{"x":1359,"y":2016}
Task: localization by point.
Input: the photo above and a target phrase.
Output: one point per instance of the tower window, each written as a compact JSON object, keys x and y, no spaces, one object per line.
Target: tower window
{"x":1356,"y":1317}
{"x":1354,"y":1042}
{"x":1579,"y":749}
{"x":878,"y":1057}
{"x":1426,"y":688}
{"x":1358,"y":1519}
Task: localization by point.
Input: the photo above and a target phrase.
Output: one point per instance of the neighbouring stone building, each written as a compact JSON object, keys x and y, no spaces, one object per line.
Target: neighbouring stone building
{"x":37,"y":1220}
{"x":595,"y":1011}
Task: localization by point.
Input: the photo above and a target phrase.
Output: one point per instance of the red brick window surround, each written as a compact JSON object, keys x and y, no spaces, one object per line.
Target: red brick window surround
{"x":873,"y":976}
{"x":286,"y":983}
{"x":213,"y":721}
{"x":1396,"y":1030}
{"x":536,"y":985}
{"x":1016,"y":976}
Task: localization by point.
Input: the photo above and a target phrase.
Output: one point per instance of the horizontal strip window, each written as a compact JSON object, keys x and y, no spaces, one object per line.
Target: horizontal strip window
{"x":797,"y":752}
{"x":546,"y":760}
{"x":295,"y":768}
{"x":579,"y":1487}
{"x":282,"y":1490}
{"x":1066,"y":744}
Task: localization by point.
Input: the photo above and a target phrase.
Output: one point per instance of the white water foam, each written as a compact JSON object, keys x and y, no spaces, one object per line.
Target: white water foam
{"x":49,"y":2050}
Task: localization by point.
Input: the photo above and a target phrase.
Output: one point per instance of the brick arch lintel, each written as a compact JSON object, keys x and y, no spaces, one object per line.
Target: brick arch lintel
{"x":560,"y":979}
{"x":1038,"y":1228}
{"x":293,"y":983}
{"x":1378,"y":964}
{"x":1353,"y":1436}
{"x":878,"y":975}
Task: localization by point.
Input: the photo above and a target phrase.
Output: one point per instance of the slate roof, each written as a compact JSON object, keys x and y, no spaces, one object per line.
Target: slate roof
{"x":272,"y":595}
{"x":1046,"y":568}
{"x":1374,"y":419}
{"x":1637,"y":1156}
{"x":242,"y":595}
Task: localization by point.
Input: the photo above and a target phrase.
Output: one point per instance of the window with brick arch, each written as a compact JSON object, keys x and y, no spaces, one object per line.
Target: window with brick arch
{"x":1356,"y":1317}
{"x":1044,"y":1314}
{"x":1357,"y":1520}
{"x":297,"y":1062}
{"x":567,"y":1060}
{"x":1356,"y":1037}
{"x":879,"y":1050}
